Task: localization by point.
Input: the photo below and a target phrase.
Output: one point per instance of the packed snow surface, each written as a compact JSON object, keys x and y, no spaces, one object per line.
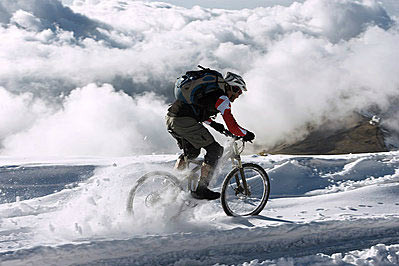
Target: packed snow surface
{"x":330,"y":210}
{"x":75,"y":74}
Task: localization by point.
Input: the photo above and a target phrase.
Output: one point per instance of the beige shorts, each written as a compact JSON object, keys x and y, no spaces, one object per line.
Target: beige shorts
{"x":191,"y":130}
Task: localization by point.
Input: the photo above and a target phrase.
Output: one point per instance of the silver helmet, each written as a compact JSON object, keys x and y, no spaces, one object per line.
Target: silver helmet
{"x":236,"y":82}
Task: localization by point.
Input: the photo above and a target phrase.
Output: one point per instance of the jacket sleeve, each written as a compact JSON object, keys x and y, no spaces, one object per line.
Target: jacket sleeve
{"x":223,"y":105}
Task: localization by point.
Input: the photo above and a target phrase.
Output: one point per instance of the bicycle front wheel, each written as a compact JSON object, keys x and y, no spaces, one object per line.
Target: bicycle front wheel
{"x":245,"y":192}
{"x":155,"y":196}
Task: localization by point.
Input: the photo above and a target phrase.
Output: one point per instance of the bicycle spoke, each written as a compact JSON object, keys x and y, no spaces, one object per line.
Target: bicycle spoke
{"x":239,"y":201}
{"x":156,"y":196}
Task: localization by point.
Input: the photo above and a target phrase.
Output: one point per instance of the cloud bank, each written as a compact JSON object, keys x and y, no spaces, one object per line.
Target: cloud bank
{"x":93,"y":120}
{"x":95,"y":77}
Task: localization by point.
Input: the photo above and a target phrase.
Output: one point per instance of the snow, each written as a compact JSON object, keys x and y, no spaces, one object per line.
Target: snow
{"x":78,"y":77}
{"x":77,"y":73}
{"x":324,"y":210}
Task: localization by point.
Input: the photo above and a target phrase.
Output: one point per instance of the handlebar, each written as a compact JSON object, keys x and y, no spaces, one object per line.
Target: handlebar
{"x":231,"y":135}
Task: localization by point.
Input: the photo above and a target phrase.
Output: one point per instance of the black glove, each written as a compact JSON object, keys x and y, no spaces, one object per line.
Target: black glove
{"x":249,"y":136}
{"x":217,"y":126}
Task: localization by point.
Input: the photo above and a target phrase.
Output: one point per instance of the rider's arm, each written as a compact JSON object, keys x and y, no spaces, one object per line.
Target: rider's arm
{"x":215,"y":125}
{"x":223,"y":105}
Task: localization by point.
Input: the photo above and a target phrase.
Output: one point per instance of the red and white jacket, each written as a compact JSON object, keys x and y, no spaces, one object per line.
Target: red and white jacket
{"x":223,"y":105}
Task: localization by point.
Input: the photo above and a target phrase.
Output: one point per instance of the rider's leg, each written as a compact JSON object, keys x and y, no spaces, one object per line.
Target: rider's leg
{"x":189,"y":151}
{"x":199,"y":137}
{"x":181,"y":128}
{"x":191,"y":136}
{"x":191,"y":130}
{"x":181,"y":163}
{"x":214,"y":152}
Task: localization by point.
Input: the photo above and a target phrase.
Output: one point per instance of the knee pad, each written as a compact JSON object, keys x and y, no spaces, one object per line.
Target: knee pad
{"x":213,"y":152}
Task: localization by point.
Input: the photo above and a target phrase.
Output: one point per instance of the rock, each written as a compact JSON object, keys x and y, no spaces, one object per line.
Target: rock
{"x":361,"y":137}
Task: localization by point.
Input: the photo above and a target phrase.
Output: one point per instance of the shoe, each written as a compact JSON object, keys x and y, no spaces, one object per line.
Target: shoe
{"x":180,"y":164}
{"x":205,"y":193}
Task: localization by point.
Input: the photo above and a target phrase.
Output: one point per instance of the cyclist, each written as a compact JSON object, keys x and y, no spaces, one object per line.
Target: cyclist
{"x":185,"y":124}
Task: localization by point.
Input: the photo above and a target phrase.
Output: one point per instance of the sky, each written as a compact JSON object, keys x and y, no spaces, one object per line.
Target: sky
{"x":392,"y":6}
{"x":93,"y":77}
{"x":230,"y":4}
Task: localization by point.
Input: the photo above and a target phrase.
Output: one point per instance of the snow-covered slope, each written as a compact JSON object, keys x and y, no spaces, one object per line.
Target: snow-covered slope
{"x":76,"y":73}
{"x":323,"y":209}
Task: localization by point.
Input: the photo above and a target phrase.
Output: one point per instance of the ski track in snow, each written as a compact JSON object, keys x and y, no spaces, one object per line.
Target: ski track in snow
{"x":320,"y":207}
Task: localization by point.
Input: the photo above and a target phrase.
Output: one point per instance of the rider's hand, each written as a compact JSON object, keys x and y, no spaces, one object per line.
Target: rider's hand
{"x":249,"y":136}
{"x":217,"y":126}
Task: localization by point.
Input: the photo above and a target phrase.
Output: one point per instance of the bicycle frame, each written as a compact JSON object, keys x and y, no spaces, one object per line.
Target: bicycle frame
{"x":234,"y":154}
{"x":251,"y":195}
{"x":192,"y":178}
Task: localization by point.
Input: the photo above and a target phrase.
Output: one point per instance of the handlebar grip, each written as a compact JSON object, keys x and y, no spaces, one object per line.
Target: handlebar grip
{"x":231,"y":135}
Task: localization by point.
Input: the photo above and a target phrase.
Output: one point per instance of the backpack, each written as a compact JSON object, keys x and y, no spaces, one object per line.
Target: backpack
{"x":195,"y":85}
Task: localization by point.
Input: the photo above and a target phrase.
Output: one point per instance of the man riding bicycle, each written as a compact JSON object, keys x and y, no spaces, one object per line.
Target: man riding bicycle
{"x":184,"y":121}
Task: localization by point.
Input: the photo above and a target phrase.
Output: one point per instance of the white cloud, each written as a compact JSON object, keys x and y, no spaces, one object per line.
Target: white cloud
{"x":26,"y":20}
{"x":306,"y":80}
{"x":304,"y":63}
{"x":96,"y":121}
{"x":18,"y":112}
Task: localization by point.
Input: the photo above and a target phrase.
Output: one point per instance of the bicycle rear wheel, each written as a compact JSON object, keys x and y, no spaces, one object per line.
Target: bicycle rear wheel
{"x":155,"y":195}
{"x":235,"y":200}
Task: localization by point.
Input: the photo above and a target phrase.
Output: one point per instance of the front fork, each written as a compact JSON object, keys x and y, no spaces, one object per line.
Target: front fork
{"x":241,"y":189}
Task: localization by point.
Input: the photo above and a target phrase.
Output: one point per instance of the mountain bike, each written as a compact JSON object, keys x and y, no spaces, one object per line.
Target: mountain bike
{"x":245,"y":189}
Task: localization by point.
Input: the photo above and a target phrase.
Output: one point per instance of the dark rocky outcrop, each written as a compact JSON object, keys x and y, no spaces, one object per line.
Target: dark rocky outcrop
{"x":362,"y":137}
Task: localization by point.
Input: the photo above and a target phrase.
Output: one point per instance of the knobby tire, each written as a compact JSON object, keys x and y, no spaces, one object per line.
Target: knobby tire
{"x":232,"y":177}
{"x":142,"y":180}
